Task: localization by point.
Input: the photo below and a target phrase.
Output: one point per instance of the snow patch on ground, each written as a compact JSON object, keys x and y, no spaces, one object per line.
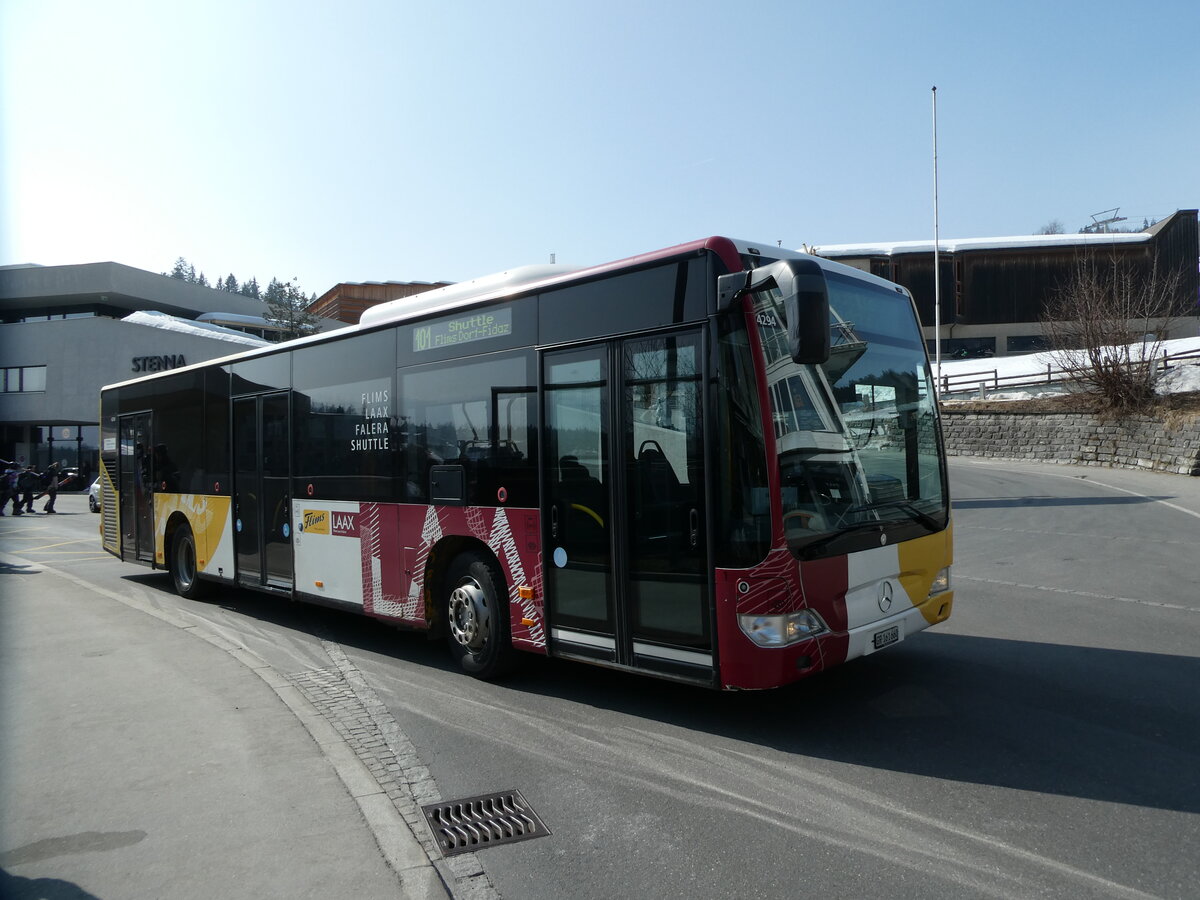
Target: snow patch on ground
{"x":1181,"y":380}
{"x":1178,"y":380}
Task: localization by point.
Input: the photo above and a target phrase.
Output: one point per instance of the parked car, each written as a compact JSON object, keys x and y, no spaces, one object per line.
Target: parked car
{"x":94,"y":496}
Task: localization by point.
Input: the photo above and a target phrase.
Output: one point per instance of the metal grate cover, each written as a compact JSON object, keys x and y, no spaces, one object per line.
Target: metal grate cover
{"x":476,"y":823}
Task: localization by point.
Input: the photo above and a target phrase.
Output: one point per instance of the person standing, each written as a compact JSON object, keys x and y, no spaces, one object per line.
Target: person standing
{"x":27,"y":483}
{"x":50,"y":481}
{"x":8,"y":490}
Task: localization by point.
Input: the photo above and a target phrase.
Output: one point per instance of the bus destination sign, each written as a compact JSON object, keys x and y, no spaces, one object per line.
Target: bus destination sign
{"x":462,"y":330}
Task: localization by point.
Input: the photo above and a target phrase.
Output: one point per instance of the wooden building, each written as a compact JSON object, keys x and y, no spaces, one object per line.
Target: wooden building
{"x":994,"y":291}
{"x":346,"y":302}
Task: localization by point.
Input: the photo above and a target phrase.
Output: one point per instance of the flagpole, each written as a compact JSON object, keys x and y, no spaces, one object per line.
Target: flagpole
{"x":937,"y":280}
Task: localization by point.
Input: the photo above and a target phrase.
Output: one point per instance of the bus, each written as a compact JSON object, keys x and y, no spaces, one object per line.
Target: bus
{"x":719,"y":463}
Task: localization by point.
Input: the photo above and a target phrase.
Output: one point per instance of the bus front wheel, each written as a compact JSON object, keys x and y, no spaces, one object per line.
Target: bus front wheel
{"x":477,"y":617}
{"x":184,"y":572}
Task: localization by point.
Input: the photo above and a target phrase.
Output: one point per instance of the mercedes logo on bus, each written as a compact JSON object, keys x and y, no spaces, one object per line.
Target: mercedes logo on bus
{"x":885,"y":596}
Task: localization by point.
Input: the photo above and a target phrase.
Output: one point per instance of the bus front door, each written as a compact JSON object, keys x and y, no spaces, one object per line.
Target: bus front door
{"x":262,"y":507}
{"x":137,"y":488}
{"x":625,"y":531}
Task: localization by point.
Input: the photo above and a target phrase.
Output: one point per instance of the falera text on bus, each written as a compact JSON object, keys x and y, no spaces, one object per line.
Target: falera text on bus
{"x":372,"y":432}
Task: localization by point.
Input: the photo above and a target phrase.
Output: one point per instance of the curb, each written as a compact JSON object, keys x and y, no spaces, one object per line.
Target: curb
{"x":420,"y":878}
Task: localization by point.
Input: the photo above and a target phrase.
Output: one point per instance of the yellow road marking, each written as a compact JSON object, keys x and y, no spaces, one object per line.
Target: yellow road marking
{"x":52,"y":552}
{"x":61,"y":544}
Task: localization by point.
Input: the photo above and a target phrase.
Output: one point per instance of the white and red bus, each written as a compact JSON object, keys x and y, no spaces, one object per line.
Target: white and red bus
{"x":718,"y":463}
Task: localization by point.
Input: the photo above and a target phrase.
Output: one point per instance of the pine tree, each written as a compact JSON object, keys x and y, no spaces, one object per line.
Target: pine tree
{"x":287,"y":307}
{"x":180,"y":270}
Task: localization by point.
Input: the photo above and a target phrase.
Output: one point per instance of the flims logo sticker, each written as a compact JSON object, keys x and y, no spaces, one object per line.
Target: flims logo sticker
{"x":316,"y":521}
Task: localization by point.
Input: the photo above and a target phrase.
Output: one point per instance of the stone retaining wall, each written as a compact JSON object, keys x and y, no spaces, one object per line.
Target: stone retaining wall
{"x":1080,"y":439}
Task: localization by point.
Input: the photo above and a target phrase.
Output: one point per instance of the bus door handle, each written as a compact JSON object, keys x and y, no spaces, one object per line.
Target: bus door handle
{"x":554,"y":521}
{"x":694,"y":527}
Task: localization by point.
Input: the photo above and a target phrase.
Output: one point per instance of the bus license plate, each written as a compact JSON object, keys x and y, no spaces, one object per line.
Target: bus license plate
{"x":887,"y":637}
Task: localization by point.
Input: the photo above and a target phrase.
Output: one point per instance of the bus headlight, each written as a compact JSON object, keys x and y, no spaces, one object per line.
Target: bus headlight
{"x":941,"y":582}
{"x":779,"y":631}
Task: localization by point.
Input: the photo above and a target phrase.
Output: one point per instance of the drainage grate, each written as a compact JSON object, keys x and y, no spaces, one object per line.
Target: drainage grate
{"x":477,"y":823}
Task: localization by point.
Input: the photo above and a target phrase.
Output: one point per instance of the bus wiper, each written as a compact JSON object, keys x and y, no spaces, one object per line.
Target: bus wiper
{"x":807,"y":550}
{"x":906,"y":506}
{"x":916,"y":515}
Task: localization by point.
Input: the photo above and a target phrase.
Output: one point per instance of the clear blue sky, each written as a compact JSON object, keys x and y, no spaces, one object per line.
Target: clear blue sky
{"x":376,"y":140}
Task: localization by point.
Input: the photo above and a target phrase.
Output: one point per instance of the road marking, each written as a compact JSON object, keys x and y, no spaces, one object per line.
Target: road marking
{"x":1091,"y":536}
{"x":91,"y":541}
{"x":75,"y":559}
{"x":1089,"y":594}
{"x":60,"y":553}
{"x":1113,"y":487}
{"x":1090,"y":480}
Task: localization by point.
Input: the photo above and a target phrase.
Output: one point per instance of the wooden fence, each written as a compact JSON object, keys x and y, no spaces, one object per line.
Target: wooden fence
{"x":992,"y":380}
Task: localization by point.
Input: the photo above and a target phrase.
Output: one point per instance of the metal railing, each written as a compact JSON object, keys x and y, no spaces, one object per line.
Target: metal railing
{"x":992,"y":380}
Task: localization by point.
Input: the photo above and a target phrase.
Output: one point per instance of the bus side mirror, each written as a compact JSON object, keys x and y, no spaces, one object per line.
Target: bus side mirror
{"x":808,"y":326}
{"x":805,"y":303}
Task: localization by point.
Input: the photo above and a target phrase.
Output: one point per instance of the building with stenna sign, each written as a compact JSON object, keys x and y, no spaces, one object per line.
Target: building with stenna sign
{"x":66,"y":331}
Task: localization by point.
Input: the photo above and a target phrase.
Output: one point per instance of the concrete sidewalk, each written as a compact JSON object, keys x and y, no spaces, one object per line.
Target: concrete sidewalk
{"x":137,"y":761}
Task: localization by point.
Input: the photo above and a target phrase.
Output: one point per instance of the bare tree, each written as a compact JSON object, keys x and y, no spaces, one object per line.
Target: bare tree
{"x":1107,"y":324}
{"x":1052,"y":227}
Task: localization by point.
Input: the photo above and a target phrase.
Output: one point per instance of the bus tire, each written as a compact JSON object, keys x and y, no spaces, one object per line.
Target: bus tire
{"x":477,"y":617}
{"x":184,"y":572}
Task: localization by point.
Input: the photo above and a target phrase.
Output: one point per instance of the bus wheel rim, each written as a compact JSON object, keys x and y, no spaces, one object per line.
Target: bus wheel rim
{"x":469,"y":616}
{"x":185,"y":564}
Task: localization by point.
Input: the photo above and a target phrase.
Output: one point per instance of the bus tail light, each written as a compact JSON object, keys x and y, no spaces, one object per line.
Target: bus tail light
{"x":780,"y":631}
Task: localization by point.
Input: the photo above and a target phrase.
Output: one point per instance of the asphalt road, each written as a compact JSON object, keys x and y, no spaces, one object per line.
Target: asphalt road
{"x":1043,"y":742}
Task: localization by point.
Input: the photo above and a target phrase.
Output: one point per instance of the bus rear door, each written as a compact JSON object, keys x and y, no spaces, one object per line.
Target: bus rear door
{"x":262,"y":501}
{"x":137,"y":488}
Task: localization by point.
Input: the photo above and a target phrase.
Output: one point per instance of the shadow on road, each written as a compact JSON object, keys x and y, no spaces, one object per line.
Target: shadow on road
{"x":7,"y":568}
{"x":1015,"y":502}
{"x":1100,"y":724}
{"x":14,"y":887}
{"x":1083,"y":722}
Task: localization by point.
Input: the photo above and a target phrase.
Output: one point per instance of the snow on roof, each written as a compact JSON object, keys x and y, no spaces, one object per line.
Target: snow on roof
{"x":235,"y":318}
{"x":153,"y":319}
{"x":955,"y":245}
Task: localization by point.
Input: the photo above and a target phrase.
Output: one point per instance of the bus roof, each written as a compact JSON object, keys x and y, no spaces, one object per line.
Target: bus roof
{"x":523,"y":279}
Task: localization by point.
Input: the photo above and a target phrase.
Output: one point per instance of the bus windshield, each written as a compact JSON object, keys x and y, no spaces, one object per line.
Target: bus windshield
{"x":856,"y":437}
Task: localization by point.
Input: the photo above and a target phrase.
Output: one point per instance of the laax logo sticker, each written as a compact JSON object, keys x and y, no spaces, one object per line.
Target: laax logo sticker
{"x":316,"y":521}
{"x":345,"y":523}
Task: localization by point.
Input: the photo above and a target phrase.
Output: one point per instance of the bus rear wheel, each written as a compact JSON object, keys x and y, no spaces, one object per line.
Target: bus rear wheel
{"x":477,"y":617}
{"x":184,"y":572}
